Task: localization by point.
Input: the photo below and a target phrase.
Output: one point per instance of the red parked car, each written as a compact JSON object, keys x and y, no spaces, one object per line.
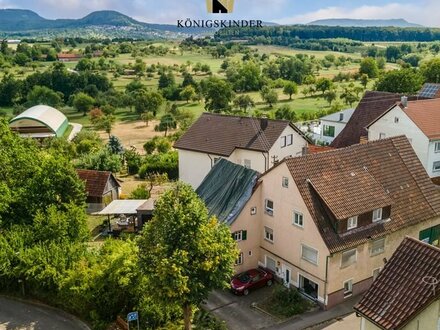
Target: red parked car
{"x":251,"y":279}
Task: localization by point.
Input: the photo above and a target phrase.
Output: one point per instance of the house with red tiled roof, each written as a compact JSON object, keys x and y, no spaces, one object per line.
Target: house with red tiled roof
{"x":406,"y":293}
{"x":372,"y":105}
{"x":325,"y":222}
{"x":256,"y":143}
{"x":101,"y":188}
{"x":420,"y":121}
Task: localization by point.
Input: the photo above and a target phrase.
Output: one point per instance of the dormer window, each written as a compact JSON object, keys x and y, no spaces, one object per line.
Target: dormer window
{"x":352,"y":223}
{"x":377,"y":215}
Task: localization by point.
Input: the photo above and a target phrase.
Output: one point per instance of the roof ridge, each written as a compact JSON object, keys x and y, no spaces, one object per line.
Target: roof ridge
{"x":412,"y":173}
{"x":432,"y":247}
{"x":244,"y":117}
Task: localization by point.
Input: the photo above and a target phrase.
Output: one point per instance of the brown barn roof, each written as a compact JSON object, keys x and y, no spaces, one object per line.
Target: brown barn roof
{"x":222,"y":134}
{"x":372,"y":105}
{"x":95,"y":181}
{"x":402,"y":289}
{"x":362,"y":177}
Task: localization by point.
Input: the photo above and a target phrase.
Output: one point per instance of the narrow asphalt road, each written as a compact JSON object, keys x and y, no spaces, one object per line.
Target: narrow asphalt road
{"x":20,"y":315}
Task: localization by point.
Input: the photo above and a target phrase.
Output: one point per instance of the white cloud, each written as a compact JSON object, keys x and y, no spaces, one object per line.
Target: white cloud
{"x":425,"y":12}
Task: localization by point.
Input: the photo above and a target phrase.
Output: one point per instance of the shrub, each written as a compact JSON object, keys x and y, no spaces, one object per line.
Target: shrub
{"x":287,"y":302}
{"x":161,"y":164}
{"x":141,"y":192}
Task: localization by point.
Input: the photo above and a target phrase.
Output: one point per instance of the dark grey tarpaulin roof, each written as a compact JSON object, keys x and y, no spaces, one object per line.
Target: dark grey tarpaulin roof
{"x":226,"y":189}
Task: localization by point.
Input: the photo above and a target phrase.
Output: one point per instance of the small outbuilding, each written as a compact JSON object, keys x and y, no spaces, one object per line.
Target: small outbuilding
{"x":101,"y":187}
{"x":40,"y":121}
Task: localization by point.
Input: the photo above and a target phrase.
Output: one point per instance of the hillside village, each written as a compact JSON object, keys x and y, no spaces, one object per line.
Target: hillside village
{"x":210,"y":182}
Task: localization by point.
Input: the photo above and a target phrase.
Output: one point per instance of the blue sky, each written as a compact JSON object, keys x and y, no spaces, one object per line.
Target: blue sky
{"x":426,"y":12}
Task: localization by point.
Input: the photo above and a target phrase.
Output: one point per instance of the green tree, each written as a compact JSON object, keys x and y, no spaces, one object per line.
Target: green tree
{"x":405,"y":81}
{"x":218,"y":94}
{"x":369,"y":67}
{"x":148,"y":101}
{"x":290,"y":88}
{"x":83,"y":102}
{"x":147,"y":117}
{"x":285,"y":112}
{"x":323,"y":85}
{"x":330,"y":96}
{"x":431,"y":70}
{"x":188,"y":93}
{"x":364,"y":80}
{"x":244,"y":102}
{"x":115,"y":145}
{"x":44,"y":95}
{"x":184,"y":253}
{"x":269,"y":95}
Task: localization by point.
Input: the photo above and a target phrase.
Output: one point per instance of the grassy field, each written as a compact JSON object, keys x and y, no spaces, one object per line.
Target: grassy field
{"x":288,"y":51}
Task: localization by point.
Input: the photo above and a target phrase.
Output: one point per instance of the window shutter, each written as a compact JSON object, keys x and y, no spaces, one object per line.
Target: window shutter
{"x":244,"y":235}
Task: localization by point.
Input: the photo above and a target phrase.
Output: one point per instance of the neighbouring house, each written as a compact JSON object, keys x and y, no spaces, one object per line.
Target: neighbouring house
{"x":226,"y":190}
{"x":326,"y":222}
{"x":372,"y":105}
{"x":101,"y":188}
{"x":67,"y":57}
{"x":420,"y":122}
{"x":256,"y":143}
{"x":331,"y":125}
{"x":40,"y":121}
{"x":406,"y":294}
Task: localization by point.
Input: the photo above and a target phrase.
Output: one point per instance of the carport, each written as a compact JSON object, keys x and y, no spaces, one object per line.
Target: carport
{"x":127,"y":214}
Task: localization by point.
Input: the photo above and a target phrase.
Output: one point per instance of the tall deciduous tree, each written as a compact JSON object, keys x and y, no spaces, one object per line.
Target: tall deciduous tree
{"x":290,"y":88}
{"x":183,"y":252}
{"x":83,"y":102}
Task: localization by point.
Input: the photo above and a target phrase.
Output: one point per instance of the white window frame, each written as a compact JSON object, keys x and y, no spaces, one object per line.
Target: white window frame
{"x":353,"y":262}
{"x":378,"y":272}
{"x":240,"y":259}
{"x":267,"y":209}
{"x":350,"y":292}
{"x":307,"y":259}
{"x":378,"y":251}
{"x":300,"y":216}
{"x":285,"y":182}
{"x":382,"y":136}
{"x":247,"y":163}
{"x":352,"y":222}
{"x":283,"y":141}
{"x":379,"y":216}
{"x":436,"y":166}
{"x":238,"y":236}
{"x":437,"y":146}
{"x":253,"y":210}
{"x":268,"y":234}
{"x":396,"y":120}
{"x":289,"y":140}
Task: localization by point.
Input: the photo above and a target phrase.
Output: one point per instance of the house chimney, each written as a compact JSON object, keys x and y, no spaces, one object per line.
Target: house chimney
{"x":263,"y":123}
{"x":404,"y":101}
{"x":341,"y":116}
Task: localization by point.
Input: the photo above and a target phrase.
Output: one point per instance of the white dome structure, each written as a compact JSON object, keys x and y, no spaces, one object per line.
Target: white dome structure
{"x":40,"y":121}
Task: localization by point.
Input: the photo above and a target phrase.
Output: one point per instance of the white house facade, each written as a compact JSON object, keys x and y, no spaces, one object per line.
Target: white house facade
{"x":254,"y":143}
{"x":420,"y":125}
{"x":331,"y":125}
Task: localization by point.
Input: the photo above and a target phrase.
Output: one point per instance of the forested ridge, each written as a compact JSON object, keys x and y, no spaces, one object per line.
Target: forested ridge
{"x":283,"y":35}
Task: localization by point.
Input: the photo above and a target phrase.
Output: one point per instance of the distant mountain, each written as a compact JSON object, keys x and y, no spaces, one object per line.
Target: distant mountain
{"x":399,"y":22}
{"x":20,"y":22}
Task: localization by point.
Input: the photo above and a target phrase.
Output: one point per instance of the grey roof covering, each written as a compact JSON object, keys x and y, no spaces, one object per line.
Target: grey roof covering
{"x":226,"y":189}
{"x":336,"y":116}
